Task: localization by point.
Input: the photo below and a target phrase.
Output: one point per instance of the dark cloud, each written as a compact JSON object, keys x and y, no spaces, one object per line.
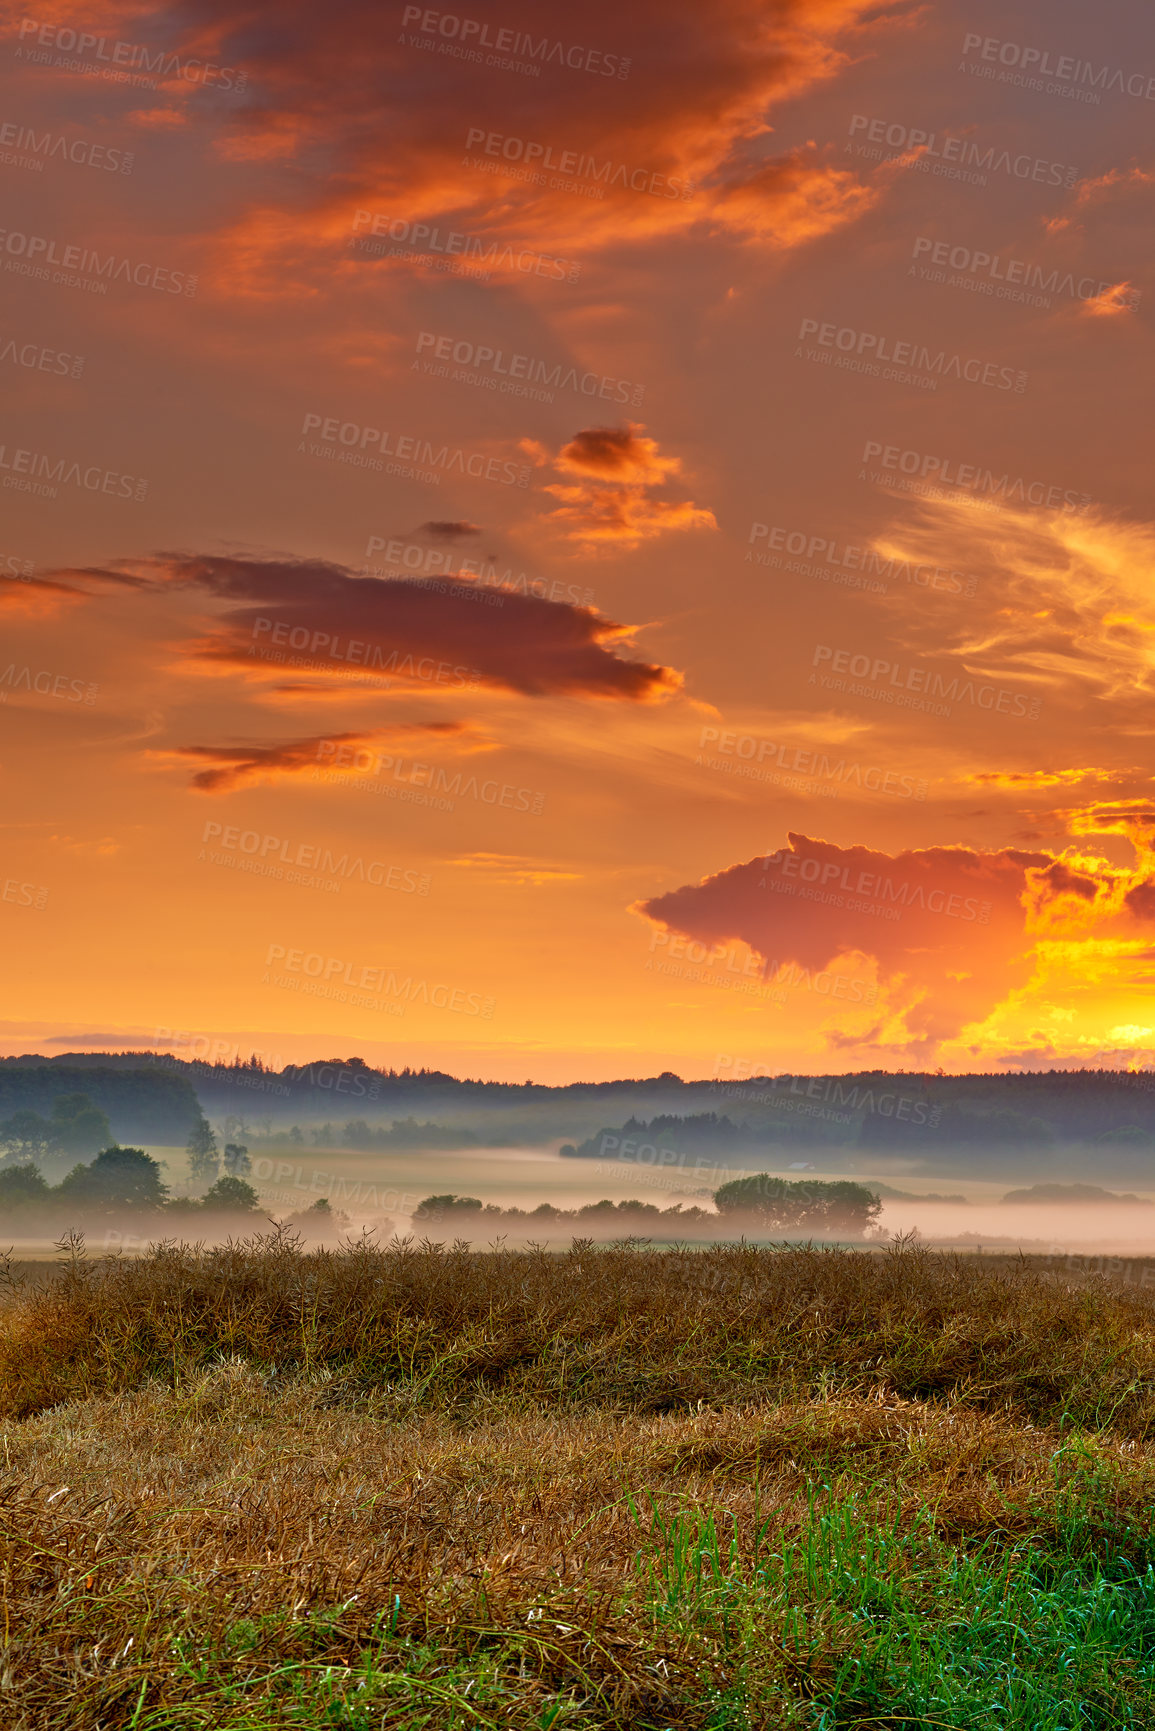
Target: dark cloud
{"x":433,"y":634}
{"x":393,"y":118}
{"x":946,"y":925}
{"x":231,"y":767}
{"x":618,"y":453}
{"x":448,"y":531}
{"x":952,"y":930}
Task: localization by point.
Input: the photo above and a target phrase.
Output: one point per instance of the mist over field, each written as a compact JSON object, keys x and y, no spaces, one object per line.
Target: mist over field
{"x":1051,"y":1165}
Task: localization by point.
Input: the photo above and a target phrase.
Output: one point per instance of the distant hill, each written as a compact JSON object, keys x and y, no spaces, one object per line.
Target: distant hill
{"x":1097,"y":1124}
{"x":1080,"y":1193}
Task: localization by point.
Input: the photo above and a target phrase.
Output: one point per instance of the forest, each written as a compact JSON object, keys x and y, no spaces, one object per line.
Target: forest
{"x":1061,"y":1123}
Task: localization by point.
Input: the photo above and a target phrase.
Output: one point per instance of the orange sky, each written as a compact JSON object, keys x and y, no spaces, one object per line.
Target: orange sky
{"x":559,"y":546}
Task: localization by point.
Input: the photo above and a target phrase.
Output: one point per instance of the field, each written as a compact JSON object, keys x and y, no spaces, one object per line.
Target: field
{"x":618,"y":1487}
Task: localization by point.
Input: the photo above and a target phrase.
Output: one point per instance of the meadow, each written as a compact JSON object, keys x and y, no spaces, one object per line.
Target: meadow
{"x":431,"y":1486}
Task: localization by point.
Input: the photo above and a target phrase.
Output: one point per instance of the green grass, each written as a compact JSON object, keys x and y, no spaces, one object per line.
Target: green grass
{"x":855,"y":1623}
{"x":911,"y":1631}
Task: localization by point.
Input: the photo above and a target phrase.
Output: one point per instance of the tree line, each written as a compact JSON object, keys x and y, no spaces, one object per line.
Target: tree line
{"x":760,"y":1203}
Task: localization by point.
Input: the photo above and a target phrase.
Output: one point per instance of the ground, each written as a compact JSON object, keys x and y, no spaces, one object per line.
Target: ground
{"x":253,"y":1488}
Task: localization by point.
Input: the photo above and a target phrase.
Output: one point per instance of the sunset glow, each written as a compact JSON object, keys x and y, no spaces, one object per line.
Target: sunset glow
{"x":618,"y":516}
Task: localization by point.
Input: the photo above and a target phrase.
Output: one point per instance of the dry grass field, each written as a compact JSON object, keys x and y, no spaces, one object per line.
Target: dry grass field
{"x":431,"y":1487}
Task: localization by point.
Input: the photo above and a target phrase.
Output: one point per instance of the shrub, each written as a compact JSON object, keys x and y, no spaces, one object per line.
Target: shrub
{"x":231,"y":1195}
{"x":117,"y":1178}
{"x":21,"y":1186}
{"x":448,"y":1208}
{"x":778,"y":1204}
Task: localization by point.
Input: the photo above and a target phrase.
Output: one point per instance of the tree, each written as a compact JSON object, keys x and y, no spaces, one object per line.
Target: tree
{"x":230,"y":1195}
{"x":76,"y":1127}
{"x":26,"y":1136}
{"x":117,"y":1178}
{"x":79,"y":1127}
{"x":777,"y":1204}
{"x":203,"y":1162}
{"x":22,"y":1185}
{"x":321,"y":1220}
{"x":448,"y":1208}
{"x":1125,"y":1136}
{"x":235,"y":1160}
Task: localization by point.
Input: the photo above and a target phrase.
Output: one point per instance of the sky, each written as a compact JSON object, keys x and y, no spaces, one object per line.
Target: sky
{"x":569,"y":545}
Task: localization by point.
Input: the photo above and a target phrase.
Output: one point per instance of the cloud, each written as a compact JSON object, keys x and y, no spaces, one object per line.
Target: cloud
{"x":449,"y":531}
{"x":232,"y":767}
{"x":39,"y":598}
{"x":1115,"y":187}
{"x":625,"y":517}
{"x":1133,"y":818}
{"x":426,"y":634}
{"x":119,"y":1041}
{"x":158,"y":119}
{"x":614,"y":501}
{"x":620,"y":454}
{"x":515,"y":871}
{"x":1119,"y":298}
{"x":954,"y":932}
{"x":43,"y":596}
{"x":1076,"y":610}
{"x":406,"y":130}
{"x":796,"y":199}
{"x":1023,"y":781}
{"x":946,"y":926}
